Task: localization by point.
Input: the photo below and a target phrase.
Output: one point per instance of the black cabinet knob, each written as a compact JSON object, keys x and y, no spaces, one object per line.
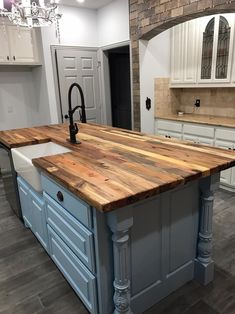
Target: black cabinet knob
{"x":60,"y":196}
{"x":8,"y":58}
{"x":14,"y":58}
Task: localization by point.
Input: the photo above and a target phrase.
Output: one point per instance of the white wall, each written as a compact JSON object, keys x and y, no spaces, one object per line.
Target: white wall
{"x":113,"y":23}
{"x":154,"y":62}
{"x":78,"y":27}
{"x":18,"y":105}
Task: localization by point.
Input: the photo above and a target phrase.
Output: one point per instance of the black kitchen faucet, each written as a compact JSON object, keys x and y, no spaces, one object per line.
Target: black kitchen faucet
{"x":73,"y":127}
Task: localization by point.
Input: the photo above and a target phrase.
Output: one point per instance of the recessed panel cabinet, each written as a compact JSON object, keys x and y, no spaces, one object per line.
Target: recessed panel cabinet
{"x":206,"y":46}
{"x":202,"y":134}
{"x":18,"y":46}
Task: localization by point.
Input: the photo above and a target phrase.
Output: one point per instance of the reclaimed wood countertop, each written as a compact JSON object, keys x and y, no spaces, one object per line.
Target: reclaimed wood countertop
{"x":113,"y":168}
{"x":201,"y":119}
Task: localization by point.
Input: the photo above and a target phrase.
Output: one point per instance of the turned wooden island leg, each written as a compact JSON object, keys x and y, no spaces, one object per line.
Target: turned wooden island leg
{"x":120,"y":222}
{"x":204,"y":265}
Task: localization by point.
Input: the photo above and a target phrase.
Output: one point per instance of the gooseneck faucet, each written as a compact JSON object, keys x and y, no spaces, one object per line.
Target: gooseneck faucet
{"x":73,"y":127}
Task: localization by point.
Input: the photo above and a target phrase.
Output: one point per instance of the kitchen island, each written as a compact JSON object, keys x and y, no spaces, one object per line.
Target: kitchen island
{"x":148,"y":204}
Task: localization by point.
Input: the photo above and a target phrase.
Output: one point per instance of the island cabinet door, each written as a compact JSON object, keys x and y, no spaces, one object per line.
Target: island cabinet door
{"x":25,"y":203}
{"x":163,"y":245}
{"x":39,"y":226}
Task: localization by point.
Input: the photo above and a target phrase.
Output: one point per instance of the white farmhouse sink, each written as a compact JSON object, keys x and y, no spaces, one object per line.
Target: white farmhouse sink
{"x":22,"y":159}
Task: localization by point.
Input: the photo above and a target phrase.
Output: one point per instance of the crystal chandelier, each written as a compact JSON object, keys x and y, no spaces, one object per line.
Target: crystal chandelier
{"x":30,"y":13}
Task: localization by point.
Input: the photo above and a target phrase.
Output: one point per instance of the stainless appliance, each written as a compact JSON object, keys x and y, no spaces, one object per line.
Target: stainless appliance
{"x":9,"y":178}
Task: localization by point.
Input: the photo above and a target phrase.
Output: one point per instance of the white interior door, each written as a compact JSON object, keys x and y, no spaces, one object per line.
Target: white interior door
{"x":80,"y":66}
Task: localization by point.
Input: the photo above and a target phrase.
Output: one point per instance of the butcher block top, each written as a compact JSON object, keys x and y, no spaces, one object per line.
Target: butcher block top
{"x":201,"y":119}
{"x":113,"y":168}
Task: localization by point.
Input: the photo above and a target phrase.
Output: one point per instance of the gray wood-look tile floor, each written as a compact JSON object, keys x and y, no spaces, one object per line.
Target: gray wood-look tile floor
{"x":30,"y":283}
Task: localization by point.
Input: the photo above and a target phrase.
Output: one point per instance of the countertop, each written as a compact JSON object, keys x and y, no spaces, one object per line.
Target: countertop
{"x":203,"y":119}
{"x":113,"y":168}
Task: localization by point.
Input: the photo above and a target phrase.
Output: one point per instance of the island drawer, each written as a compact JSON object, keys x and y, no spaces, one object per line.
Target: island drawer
{"x":79,"y":209}
{"x":78,"y":238}
{"x":79,"y":277}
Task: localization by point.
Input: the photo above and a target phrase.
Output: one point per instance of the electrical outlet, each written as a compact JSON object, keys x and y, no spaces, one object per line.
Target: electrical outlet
{"x":198,"y":103}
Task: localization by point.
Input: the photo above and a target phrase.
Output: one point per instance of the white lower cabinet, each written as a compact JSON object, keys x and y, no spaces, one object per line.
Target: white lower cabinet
{"x":202,"y":134}
{"x":168,"y":134}
{"x":226,"y":175}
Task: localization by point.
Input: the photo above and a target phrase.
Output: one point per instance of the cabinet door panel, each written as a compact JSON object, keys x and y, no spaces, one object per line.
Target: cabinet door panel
{"x":177,"y":54}
{"x":190,"y":138}
{"x":224,"y":48}
{"x":233,"y":177}
{"x":169,"y":125}
{"x":38,"y":210}
{"x":206,"y":141}
{"x":199,"y":130}
{"x":21,"y":45}
{"x":25,"y":203}
{"x":190,"y":51}
{"x":80,"y":278}
{"x":4,"y":48}
{"x":225,"y":176}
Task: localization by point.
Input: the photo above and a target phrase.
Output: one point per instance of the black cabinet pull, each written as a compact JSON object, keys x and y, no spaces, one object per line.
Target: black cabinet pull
{"x":60,"y":196}
{"x":8,"y":58}
{"x":14,"y":58}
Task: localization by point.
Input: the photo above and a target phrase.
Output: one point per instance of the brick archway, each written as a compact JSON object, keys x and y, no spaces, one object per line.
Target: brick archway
{"x":149,"y":18}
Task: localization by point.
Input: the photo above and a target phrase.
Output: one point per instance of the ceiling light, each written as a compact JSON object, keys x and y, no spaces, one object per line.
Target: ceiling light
{"x":80,"y":1}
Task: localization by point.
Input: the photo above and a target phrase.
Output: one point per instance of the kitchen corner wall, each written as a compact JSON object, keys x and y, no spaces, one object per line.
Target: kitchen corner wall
{"x":18,"y":105}
{"x":214,"y":101}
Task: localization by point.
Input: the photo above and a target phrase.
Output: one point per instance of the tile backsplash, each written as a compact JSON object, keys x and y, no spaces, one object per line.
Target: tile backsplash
{"x":214,"y":101}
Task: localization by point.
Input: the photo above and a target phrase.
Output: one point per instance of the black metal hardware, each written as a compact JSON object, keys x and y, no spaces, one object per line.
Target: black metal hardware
{"x":198,"y":103}
{"x":8,"y":58}
{"x":14,"y":58}
{"x":60,"y":196}
{"x":148,"y":103}
{"x":73,"y":127}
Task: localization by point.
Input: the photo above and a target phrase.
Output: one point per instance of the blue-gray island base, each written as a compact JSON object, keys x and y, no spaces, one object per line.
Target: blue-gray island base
{"x":126,"y":260}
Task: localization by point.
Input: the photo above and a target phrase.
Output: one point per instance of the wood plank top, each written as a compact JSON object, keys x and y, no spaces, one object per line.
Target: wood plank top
{"x":113,"y":168}
{"x":201,"y":119}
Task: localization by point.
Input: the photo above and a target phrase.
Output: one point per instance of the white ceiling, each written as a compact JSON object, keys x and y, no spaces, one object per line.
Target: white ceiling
{"x":91,"y":4}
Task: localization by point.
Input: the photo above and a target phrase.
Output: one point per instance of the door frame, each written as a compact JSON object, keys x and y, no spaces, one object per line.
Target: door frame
{"x":105,"y":81}
{"x":54,"y":49}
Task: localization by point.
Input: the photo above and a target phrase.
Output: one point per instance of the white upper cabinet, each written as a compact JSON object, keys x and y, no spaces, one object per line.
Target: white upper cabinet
{"x":18,"y":46}
{"x":216,"y":49}
{"x":207,"y":51}
{"x":177,"y":57}
{"x":190,"y":34}
{"x":4,"y":48}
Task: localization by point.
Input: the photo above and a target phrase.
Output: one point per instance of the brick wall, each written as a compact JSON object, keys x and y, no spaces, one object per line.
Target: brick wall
{"x":151,"y":17}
